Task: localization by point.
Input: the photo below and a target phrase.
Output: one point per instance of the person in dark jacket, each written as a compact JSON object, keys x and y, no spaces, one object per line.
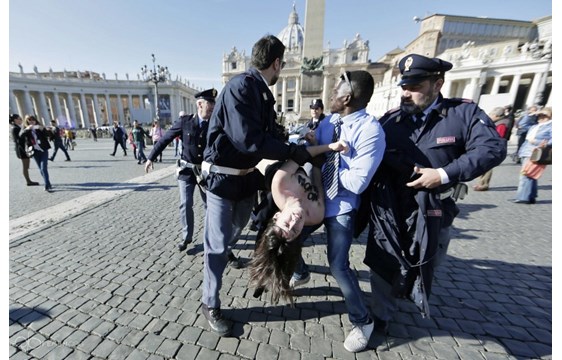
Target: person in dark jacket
{"x":36,"y":136}
{"x":192,"y":130}
{"x":242,"y":131}
{"x":317,"y":115}
{"x":57,"y":141}
{"x":433,"y":144}
{"x":139,"y":134}
{"x":118,"y":138}
{"x":16,"y":121}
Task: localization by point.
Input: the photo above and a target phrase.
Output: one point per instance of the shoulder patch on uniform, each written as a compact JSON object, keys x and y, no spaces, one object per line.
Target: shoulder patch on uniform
{"x":460,"y":100}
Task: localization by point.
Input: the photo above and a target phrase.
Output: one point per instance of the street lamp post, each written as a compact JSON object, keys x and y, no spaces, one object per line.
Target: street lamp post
{"x":155,"y":75}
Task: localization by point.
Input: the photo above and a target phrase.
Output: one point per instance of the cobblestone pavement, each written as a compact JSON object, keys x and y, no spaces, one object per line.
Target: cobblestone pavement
{"x":108,"y":283}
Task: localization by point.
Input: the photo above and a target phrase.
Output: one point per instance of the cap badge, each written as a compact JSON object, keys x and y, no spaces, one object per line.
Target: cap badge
{"x":408,"y":63}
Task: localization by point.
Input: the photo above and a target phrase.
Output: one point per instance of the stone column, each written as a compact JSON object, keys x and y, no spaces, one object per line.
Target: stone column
{"x":97,"y":113}
{"x":284,"y":96}
{"x":108,"y":109}
{"x":474,"y":89}
{"x":14,"y":104}
{"x":496,"y":85}
{"x":84,"y":107}
{"x":72,"y":110}
{"x":325,"y":90}
{"x":514,"y":88}
{"x":120,"y":109}
{"x":28,"y":103}
{"x":44,"y":113}
{"x":297,"y":105}
{"x":56,"y":100}
{"x":533,"y":90}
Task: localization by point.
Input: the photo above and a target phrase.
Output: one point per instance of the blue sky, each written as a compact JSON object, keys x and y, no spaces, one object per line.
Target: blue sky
{"x":191,"y":37}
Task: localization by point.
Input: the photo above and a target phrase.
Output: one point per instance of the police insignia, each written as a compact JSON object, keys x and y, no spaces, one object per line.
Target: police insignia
{"x":264,"y":96}
{"x":408,"y":63}
{"x":435,"y":213}
{"x":446,"y":140}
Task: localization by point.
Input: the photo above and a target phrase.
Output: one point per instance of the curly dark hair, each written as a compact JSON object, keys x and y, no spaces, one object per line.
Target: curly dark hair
{"x":273,"y":264}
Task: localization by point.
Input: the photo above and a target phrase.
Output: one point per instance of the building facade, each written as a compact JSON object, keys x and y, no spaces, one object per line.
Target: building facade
{"x":496,"y":62}
{"x":303,"y":79}
{"x":81,"y":99}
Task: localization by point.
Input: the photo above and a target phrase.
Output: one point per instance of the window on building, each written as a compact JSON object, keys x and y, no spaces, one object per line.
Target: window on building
{"x":233,"y":65}
{"x":291,"y":84}
{"x":505,"y":84}
{"x":355,"y":56}
{"x":487,"y":87}
{"x":290,"y":105}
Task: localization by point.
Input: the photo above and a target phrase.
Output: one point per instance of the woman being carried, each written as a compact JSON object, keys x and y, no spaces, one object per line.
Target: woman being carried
{"x":295,"y":200}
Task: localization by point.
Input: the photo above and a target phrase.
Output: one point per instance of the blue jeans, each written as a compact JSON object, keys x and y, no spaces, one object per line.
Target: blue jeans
{"x":339,"y":231}
{"x":42,"y":160}
{"x":528,"y":187}
{"x":224,"y":221}
{"x":140,"y":151}
{"x":187,"y":190}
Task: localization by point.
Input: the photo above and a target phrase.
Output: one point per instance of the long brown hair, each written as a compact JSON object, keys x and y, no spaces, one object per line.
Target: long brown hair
{"x":273,"y":264}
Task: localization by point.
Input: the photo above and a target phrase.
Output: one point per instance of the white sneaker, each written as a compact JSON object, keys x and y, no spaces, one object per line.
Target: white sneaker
{"x":294,"y":282}
{"x":358,"y":338}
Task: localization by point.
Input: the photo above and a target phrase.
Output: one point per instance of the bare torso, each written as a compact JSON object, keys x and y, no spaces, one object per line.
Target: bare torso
{"x":298,"y":188}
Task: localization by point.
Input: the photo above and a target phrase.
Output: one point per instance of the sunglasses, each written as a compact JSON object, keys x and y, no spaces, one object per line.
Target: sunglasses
{"x":345,"y":77}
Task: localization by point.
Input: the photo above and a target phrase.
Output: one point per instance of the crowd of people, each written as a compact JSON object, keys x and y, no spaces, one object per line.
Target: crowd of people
{"x":399,"y":176}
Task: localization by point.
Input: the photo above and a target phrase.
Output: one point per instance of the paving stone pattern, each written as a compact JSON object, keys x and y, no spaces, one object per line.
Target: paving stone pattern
{"x":110,"y":284}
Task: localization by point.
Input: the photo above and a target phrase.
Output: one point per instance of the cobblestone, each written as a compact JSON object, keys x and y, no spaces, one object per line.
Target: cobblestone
{"x":108,"y":282}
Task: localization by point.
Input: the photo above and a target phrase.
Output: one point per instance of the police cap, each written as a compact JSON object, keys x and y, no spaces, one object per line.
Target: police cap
{"x":416,"y":68}
{"x":208,"y":95}
{"x":317,"y":103}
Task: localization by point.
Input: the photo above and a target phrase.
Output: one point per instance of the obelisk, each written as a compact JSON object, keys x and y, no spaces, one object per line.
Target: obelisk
{"x":312,"y":67}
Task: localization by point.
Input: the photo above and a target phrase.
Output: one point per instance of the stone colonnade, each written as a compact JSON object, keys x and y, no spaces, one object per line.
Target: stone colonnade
{"x":82,"y":102}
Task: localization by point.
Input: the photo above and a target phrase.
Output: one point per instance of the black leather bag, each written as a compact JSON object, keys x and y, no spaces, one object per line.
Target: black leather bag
{"x":542,"y":155}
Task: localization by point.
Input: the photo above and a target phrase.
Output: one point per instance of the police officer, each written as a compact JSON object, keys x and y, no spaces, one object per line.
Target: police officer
{"x":242,"y":131}
{"x":192,"y":129}
{"x":432,"y":145}
{"x":317,"y":115}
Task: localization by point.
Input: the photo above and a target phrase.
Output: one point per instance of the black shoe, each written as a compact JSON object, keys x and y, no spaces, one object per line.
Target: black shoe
{"x":49,"y":189}
{"x":234,"y":262}
{"x":125,"y":154}
{"x":32,"y":183}
{"x":67,"y":160}
{"x":217,"y":323}
{"x":183,"y":245}
{"x":51,"y":159}
{"x":112,"y":154}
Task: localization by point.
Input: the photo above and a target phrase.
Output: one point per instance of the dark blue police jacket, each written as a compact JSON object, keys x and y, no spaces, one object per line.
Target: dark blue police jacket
{"x":241,"y":133}
{"x":194,"y":139}
{"x":457,"y":136}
